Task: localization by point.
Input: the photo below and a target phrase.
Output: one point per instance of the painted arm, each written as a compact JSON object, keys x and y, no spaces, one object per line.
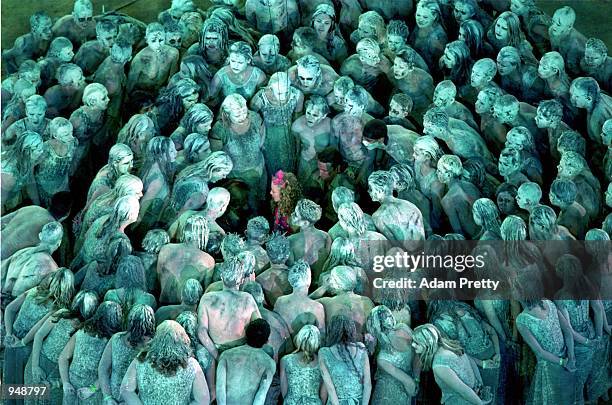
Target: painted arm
{"x":329,"y":385}
{"x":129,"y":385}
{"x":451,"y":379}
{"x":39,"y":337}
{"x":568,"y":336}
{"x":203,"y":335}
{"x":64,"y":364}
{"x":535,"y":345}
{"x":264,"y":385}
{"x":367,"y":381}
{"x":32,"y":332}
{"x":11,"y":312}
{"x":407,"y":382}
{"x":199,"y":388}
{"x":220,"y":383}
{"x":105,"y":369}
{"x":283,"y":377}
{"x":599,"y":317}
{"x":494,"y":319}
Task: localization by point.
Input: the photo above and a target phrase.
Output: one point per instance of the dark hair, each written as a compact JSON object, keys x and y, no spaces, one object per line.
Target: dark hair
{"x":330,"y":155}
{"x":342,"y":331}
{"x":257,"y":333}
{"x":277,"y":248}
{"x":105,"y":322}
{"x":308,"y":36}
{"x":61,"y":204}
{"x":141,"y":324}
{"x":376,"y":129}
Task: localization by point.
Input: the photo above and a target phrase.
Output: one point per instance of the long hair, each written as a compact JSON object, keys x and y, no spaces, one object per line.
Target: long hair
{"x":20,"y":154}
{"x":515,"y":35}
{"x":105,"y":322}
{"x":169,"y":350}
{"x":139,"y":126}
{"x":307,"y":341}
{"x":380,"y":323}
{"x":460,"y":73}
{"x":326,"y":9}
{"x":197,"y":114}
{"x":290,"y":194}
{"x":124,"y":208}
{"x":140,"y":325}
{"x":513,"y":231}
{"x":214,"y":24}
{"x":117,"y":153}
{"x":215,"y":167}
{"x":233,"y":25}
{"x":158,"y":149}
{"x":488,"y":213}
{"x":83,"y":307}
{"x":473,"y":36}
{"x":189,"y":321}
{"x":60,"y":289}
{"x":342,"y":253}
{"x":342,"y":332}
{"x":429,"y":337}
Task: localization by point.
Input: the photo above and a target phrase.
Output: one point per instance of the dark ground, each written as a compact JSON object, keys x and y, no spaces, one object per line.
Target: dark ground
{"x":593,"y":16}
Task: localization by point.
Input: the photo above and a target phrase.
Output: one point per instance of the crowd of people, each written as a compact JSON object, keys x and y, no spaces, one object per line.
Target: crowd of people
{"x":191,"y":206}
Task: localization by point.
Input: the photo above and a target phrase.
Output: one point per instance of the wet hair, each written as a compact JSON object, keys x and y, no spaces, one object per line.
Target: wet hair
{"x":231,"y":245}
{"x":434,"y":7}
{"x":342,"y":332}
{"x":105,"y":25}
{"x":83,"y":307}
{"x":588,"y":85}
{"x":515,"y":35}
{"x":565,"y":190}
{"x":308,"y":36}
{"x":571,"y":141}
{"x":446,"y":85}
{"x":118,"y":248}
{"x":430,"y":146}
{"x":544,"y":216}
{"x":532,"y":189}
{"x":36,"y":101}
{"x":377,"y":130}
{"x":258,"y":229}
{"x":158,"y":149}
{"x":403,"y":100}
{"x":351,"y":215}
{"x":58,"y":45}
{"x":277,"y":248}
{"x":460,"y":73}
{"x":196,"y":230}
{"x":257,"y":333}
{"x":399,"y":28}
{"x":217,"y":164}
{"x":452,"y":163}
{"x":57,"y":123}
{"x":381,"y":179}
{"x":232,"y":271}
{"x":374,"y":19}
{"x":597,"y":45}
{"x":189,"y":321}
{"x":566,"y":12}
{"x":243,"y":49}
{"x":137,"y":124}
{"x":22,"y":88}
{"x":193,"y":145}
{"x":486,"y":63}
{"x":198,"y":114}
{"x":403,"y":177}
{"x":309,"y":210}
{"x":299,"y":274}
{"x":20,"y":154}
{"x":309,"y":62}
{"x":319,"y":102}
{"x":216,"y":25}
{"x":269,"y":39}
{"x":123,"y":208}
{"x":117,"y":153}
{"x":332,"y":156}
{"x":342,"y":253}
{"x":91,"y":90}
{"x":437,"y":117}
{"x":474,"y":36}
{"x":380,"y":323}
{"x":523,"y":135}
{"x":191,"y":292}
{"x":358,"y":94}
{"x":140,"y":324}
{"x":344,"y":84}
{"x":226,"y":15}
{"x":474,"y":171}
{"x":154,"y":240}
{"x":307,"y":341}
{"x":131,"y":274}
{"x":39,"y":18}
{"x":430,"y":338}
{"x":105,"y":322}
{"x":509,"y":53}
{"x":551,"y":109}
{"x":488,"y":213}
{"x":169,"y":349}
{"x":58,"y":290}
{"x":186,"y":188}
{"x":342,"y":195}
{"x":155,"y":27}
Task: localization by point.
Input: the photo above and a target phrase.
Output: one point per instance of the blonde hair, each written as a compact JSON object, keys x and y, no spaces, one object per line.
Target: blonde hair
{"x":429,"y":337}
{"x":308,"y":341}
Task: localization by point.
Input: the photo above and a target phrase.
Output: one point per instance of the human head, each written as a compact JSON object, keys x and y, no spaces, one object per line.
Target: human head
{"x":255,"y":290}
{"x":82,"y":12}
{"x":189,"y":194}
{"x":61,"y":48}
{"x":371,"y":25}
{"x":280,"y":86}
{"x":507,"y":29}
{"x":506,"y":198}
{"x":128,"y":185}
{"x":197,"y":119}
{"x":41,"y":24}
{"x":306,"y":213}
{"x":126,"y":210}
{"x":472,"y":33}
{"x":595,"y":53}
{"x":35,"y":109}
{"x":214,"y":35}
{"x":368,"y":51}
{"x":351,"y":218}
{"x":457,"y":59}
{"x":22,"y":90}
{"x":131,"y":274}
{"x":269,"y":47}
{"x":121,"y":158}
{"x":155,"y":36}
{"x":551,"y":65}
{"x":485,"y":213}
{"x":277,"y":248}
{"x":342,"y":279}
{"x":341,"y":330}
{"x":140,"y":324}
{"x":521,"y":7}
{"x":508,"y":59}
{"x":435,"y":122}
{"x":240,"y":56}
{"x":427,"y":148}
{"x":356,"y":101}
{"x":257,"y":333}
{"x":154,"y":240}
{"x":95,"y":95}
{"x":342,"y":86}
{"x":570,"y":165}
{"x":380,"y":185}
{"x":299,"y":275}
{"x":444,"y":94}
{"x":217,"y":201}
{"x":528,"y":195}
{"x":234,"y":109}
{"x":375,"y":134}
{"x":380,"y":323}
{"x":427,"y":13}
{"x":400,"y":105}
{"x":196,"y":147}
{"x":449,"y":167}
{"x":173,"y":34}
{"x":191,"y":292}
{"x":571,"y":141}
{"x":304,"y":40}
{"x":464,"y":10}
{"x":403,"y":177}
{"x":196,"y":231}
{"x":121,"y":52}
{"x":606,"y":132}
{"x":542,"y":223}
{"x":397,"y":35}
{"x":27,"y":151}
{"x":584,"y":92}
{"x":308,"y":341}
{"x":106,"y":32}
{"x":85,"y":303}
{"x":426,"y":340}
{"x":509,"y":161}
{"x":506,"y":108}
{"x":30,"y":71}
{"x":231,"y":245}
{"x":258,"y":229}
{"x":70,"y":75}
{"x":520,"y":138}
{"x":169,"y":349}
{"x":549,"y":114}
{"x":562,"y":22}
{"x":483,"y":71}
{"x":323,"y":20}
{"x":562,"y":193}
{"x":316,"y":110}
{"x":106,"y":321}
